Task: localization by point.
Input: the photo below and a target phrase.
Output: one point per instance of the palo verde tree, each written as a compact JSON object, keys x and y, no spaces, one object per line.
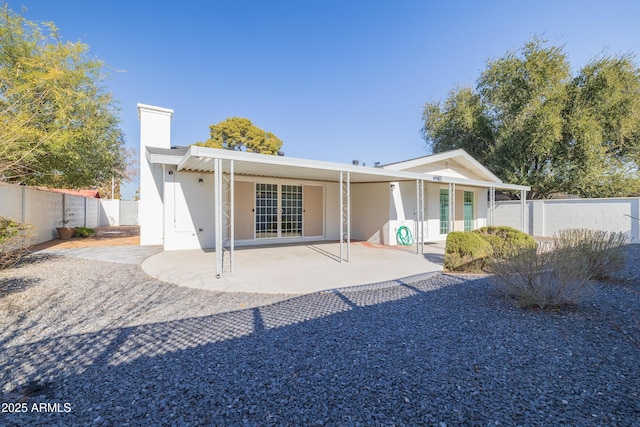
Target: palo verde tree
{"x":534,"y":123}
{"x":58,"y":125}
{"x":240,"y":134}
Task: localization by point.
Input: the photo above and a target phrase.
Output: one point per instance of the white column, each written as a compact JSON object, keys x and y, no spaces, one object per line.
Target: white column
{"x":341,"y":215}
{"x":348,"y":216}
{"x":452,"y":206}
{"x":232,"y":202}
{"x":217,"y":212}
{"x":155,"y":131}
{"x":492,"y":206}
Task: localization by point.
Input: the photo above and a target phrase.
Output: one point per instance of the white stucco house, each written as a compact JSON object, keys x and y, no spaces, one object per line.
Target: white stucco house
{"x":197,"y":197}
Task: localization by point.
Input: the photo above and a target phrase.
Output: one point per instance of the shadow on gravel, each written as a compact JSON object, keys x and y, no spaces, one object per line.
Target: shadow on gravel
{"x":19,"y":284}
{"x":418,"y":353}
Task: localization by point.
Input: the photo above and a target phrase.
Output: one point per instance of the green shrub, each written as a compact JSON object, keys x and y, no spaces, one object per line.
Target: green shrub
{"x":466,"y":252}
{"x":602,"y":252}
{"x":84,"y":232}
{"x":506,"y":241}
{"x":14,"y":239}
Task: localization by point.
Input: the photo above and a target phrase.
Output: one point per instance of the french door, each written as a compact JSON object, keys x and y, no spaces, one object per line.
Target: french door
{"x":278,"y":211}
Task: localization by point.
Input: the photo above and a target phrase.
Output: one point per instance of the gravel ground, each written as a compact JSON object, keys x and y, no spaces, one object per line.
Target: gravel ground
{"x":96,"y":343}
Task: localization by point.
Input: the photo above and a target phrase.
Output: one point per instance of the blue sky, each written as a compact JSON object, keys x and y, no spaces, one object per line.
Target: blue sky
{"x":336,"y":80}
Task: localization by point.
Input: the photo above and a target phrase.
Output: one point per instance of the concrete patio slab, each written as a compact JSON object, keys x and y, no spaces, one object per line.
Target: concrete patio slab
{"x":120,"y":254}
{"x":293,"y":269}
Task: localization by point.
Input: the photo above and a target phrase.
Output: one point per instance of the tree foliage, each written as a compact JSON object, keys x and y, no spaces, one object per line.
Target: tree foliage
{"x":534,"y":123}
{"x":240,"y":134}
{"x":58,"y":125}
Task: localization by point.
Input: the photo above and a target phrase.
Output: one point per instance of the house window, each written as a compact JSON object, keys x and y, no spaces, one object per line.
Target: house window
{"x":468,"y":211}
{"x":444,"y":211}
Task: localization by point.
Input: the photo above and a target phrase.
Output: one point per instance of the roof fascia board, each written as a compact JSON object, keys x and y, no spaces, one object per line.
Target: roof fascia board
{"x":167,"y":159}
{"x":439,"y":157}
{"x":196,"y":151}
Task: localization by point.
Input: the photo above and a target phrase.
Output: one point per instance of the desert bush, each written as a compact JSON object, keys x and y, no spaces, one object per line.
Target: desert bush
{"x":505,"y":241}
{"x":466,"y":252}
{"x":602,"y":252}
{"x":545,"y":280}
{"x":84,"y":232}
{"x":14,"y":239}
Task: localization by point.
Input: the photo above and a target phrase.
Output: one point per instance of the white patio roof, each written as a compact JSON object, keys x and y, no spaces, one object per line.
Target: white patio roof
{"x":200,"y":159}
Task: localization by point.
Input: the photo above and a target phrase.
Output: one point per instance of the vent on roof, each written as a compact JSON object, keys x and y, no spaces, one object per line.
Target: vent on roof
{"x":355,"y":162}
{"x":377,"y":165}
{"x":281,"y":153}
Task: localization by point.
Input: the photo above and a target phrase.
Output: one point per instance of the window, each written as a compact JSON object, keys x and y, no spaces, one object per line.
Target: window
{"x":444,"y":211}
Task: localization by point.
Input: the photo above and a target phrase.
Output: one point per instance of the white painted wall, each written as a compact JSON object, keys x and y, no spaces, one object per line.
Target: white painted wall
{"x":110,"y":212}
{"x":44,"y":209}
{"x":188,"y":210}
{"x":546,"y":217}
{"x":370,"y":211}
{"x":155,"y":131}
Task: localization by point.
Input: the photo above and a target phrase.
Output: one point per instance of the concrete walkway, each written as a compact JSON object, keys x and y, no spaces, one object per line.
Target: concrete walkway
{"x":293,"y":269}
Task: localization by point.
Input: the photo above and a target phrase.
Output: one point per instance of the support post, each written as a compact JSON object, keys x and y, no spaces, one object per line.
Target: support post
{"x":492,"y":206}
{"x":452,"y":206}
{"x":523,"y":211}
{"x":232,"y":202}
{"x":419,"y":229}
{"x":348,"y":216}
{"x":217,"y":212}
{"x":341,"y":216}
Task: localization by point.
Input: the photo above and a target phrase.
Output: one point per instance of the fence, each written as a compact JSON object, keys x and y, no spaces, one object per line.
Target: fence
{"x":546,"y":217}
{"x":46,"y":210}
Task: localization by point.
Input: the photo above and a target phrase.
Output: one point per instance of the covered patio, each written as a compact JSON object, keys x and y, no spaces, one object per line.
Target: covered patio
{"x":294,"y":268}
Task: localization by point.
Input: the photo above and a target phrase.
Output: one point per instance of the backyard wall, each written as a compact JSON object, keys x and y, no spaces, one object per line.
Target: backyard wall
{"x":546,"y":217}
{"x":44,"y":210}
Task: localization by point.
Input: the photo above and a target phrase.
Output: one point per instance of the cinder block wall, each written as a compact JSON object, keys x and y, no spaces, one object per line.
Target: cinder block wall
{"x":547,"y":217}
{"x":44,"y":210}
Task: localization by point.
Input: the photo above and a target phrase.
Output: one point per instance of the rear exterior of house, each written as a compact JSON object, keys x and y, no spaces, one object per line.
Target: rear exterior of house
{"x":201,"y":198}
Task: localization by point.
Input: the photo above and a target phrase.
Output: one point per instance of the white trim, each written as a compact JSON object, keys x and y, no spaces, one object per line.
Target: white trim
{"x":439,"y":157}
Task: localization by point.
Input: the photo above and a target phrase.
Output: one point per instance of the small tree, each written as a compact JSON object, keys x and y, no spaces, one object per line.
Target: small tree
{"x":240,"y":134}
{"x":58,"y":125}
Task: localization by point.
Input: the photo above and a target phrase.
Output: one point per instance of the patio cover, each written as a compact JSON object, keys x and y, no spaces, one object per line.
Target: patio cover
{"x":213,"y":160}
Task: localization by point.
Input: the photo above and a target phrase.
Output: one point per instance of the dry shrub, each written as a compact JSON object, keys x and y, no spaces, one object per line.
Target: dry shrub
{"x":545,"y":280}
{"x":603,"y":252}
{"x":557,"y":275}
{"x":14,"y":239}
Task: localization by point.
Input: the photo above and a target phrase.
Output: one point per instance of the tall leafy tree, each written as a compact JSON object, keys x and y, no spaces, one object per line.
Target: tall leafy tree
{"x":236,"y":133}
{"x":533,"y":123}
{"x":58,"y":125}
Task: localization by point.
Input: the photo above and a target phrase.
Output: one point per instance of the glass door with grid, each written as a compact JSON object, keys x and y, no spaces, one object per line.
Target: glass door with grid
{"x":278,"y":211}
